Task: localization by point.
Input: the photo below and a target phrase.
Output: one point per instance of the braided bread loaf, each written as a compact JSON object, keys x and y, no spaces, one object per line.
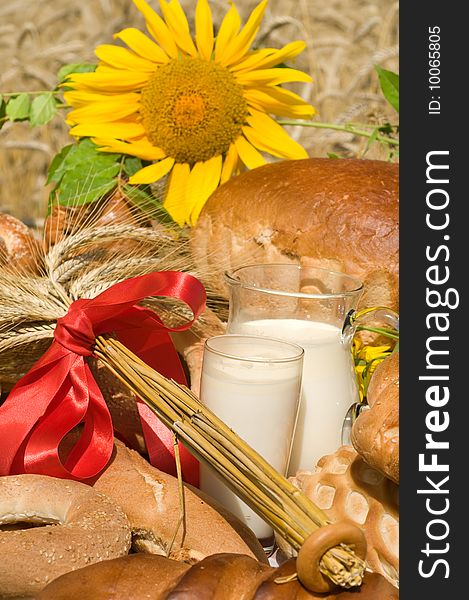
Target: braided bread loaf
{"x":349,"y":490}
{"x":217,"y":577}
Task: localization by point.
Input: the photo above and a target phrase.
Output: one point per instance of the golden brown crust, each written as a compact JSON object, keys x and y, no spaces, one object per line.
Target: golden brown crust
{"x":346,"y":488}
{"x":218,"y":577}
{"x":375,"y":433}
{"x":339,"y":214}
{"x":19,"y":249}
{"x":154,"y":516}
{"x":80,"y":527}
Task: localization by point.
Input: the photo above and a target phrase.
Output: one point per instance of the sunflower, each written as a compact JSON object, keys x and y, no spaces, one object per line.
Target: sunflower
{"x":199,"y":110}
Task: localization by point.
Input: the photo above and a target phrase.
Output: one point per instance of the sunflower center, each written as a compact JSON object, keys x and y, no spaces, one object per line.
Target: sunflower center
{"x":193,"y":109}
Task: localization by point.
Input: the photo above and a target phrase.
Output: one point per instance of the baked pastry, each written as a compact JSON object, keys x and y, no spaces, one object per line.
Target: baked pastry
{"x":338,"y":214}
{"x":150,"y":499}
{"x":217,"y":577}
{"x":19,"y":249}
{"x":79,"y":526}
{"x":349,"y":490}
{"x":375,"y":433}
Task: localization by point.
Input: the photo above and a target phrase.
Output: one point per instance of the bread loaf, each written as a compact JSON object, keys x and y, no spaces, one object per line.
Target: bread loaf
{"x":338,"y":214}
{"x":375,"y":433}
{"x":218,"y":577}
{"x":19,"y":249}
{"x":150,"y":499}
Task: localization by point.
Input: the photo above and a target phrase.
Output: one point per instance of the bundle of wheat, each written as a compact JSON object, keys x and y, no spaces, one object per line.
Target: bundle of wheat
{"x":86,"y":249}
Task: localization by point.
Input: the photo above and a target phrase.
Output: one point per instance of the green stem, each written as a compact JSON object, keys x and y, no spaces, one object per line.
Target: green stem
{"x":387,"y":332}
{"x":36,"y":92}
{"x":347,"y":128}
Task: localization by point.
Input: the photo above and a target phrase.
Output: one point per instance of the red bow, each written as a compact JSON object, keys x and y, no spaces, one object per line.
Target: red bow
{"x":59,"y":391}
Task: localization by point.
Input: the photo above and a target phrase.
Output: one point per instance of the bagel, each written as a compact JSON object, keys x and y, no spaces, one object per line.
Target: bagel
{"x":79,"y":527}
{"x":19,"y":249}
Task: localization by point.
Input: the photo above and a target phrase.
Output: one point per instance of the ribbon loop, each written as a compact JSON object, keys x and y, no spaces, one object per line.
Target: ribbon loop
{"x":59,"y":391}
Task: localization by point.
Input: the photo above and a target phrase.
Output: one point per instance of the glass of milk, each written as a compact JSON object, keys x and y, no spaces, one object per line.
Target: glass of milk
{"x":310,"y":307}
{"x":252,"y":384}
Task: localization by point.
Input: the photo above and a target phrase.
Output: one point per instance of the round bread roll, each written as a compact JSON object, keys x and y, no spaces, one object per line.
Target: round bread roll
{"x":150,"y":499}
{"x":375,"y":433}
{"x":349,"y":490}
{"x":338,"y":214}
{"x":19,"y":249}
{"x":218,"y":577}
{"x":74,"y":526}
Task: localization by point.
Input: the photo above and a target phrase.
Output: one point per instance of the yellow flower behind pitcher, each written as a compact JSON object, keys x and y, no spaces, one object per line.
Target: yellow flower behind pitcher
{"x":366,"y":359}
{"x":198,"y":109}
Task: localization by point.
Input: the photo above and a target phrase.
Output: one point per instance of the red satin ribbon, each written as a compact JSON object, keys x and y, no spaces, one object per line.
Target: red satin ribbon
{"x":59,"y":391}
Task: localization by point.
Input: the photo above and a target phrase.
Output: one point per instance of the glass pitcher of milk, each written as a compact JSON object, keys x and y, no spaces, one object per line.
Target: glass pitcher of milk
{"x":311,"y":307}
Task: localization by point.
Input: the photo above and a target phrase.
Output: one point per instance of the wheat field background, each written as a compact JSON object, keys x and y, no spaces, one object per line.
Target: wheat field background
{"x":345,"y":39}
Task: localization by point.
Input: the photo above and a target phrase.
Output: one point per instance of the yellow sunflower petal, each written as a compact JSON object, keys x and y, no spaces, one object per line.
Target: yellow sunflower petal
{"x":77,"y":98}
{"x":203,"y":180}
{"x":114,"y":81}
{"x":228,"y":29}
{"x":279,"y":102}
{"x":142,"y":45}
{"x":153,"y":172}
{"x":230,"y":164}
{"x":121,"y":58}
{"x":142,"y":149}
{"x":248,"y":154}
{"x":264,"y":130}
{"x":175,"y":200}
{"x":204,"y":29}
{"x":158,"y":28}
{"x":272,"y":76}
{"x":112,"y":110}
{"x":241,"y":43}
{"x":178,"y":25}
{"x":273,"y":146}
{"x":119,"y":130}
{"x":269,"y":57}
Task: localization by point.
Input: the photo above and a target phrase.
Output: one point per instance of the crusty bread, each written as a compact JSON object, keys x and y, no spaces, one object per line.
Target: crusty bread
{"x":338,"y":214}
{"x":218,"y":577}
{"x":348,"y":489}
{"x":375,"y":433}
{"x":150,"y":499}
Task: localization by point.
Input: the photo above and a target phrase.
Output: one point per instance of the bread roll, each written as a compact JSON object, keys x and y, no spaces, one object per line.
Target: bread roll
{"x":338,"y":214}
{"x":375,"y":433}
{"x":218,"y":577}
{"x":79,"y":527}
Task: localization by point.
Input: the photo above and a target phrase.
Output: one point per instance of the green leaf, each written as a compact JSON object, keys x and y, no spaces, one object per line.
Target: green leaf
{"x":3,"y":112}
{"x":332,"y":155}
{"x":83,"y":174}
{"x":371,"y":140}
{"x":142,"y":197}
{"x":17,"y":108}
{"x":389,"y":82}
{"x":132,"y":164}
{"x":58,"y":166}
{"x":43,"y":109}
{"x":67,"y":70}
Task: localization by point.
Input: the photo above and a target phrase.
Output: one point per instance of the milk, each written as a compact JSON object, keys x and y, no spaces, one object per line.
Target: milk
{"x":329,"y":385}
{"x":259,"y":401}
